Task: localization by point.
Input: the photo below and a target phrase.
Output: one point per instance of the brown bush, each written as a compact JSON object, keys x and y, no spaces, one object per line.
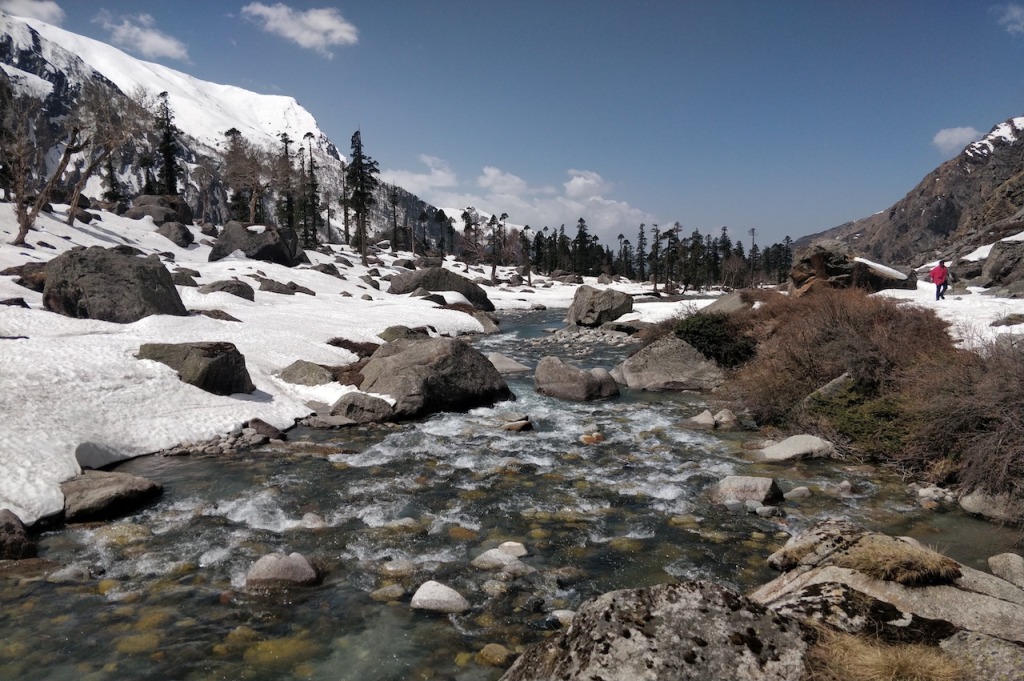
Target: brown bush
{"x":966,"y":407}
{"x":838,"y":656}
{"x":806,"y":342}
{"x":894,"y":560}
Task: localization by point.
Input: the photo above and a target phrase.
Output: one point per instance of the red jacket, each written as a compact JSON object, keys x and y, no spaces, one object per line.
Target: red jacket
{"x":938,"y":274}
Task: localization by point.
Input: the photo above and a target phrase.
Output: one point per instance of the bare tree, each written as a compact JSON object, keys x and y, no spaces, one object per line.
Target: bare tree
{"x":247,"y":169}
{"x":108,"y":122}
{"x":20,"y":154}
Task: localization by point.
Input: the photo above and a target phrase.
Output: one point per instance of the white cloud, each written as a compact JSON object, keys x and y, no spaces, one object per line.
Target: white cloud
{"x":313,"y":29}
{"x":439,"y":175}
{"x":139,"y":34}
{"x":585,"y":184}
{"x":953,"y":140}
{"x":1012,"y":17}
{"x":44,"y":10}
{"x":582,"y":196}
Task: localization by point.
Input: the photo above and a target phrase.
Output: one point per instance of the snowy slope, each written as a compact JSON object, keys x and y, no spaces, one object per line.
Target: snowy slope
{"x":202,"y":110}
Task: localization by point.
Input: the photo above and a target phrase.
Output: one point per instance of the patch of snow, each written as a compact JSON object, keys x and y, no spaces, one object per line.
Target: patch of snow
{"x":888,"y":271}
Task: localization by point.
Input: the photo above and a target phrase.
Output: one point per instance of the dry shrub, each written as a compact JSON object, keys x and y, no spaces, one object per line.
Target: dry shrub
{"x":807,"y":341}
{"x":360,"y":349}
{"x":966,"y":406}
{"x":460,"y":307}
{"x":838,"y":656}
{"x":893,"y":560}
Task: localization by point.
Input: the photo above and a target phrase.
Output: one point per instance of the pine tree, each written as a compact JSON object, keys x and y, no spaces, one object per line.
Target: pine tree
{"x":312,"y":198}
{"x":168,"y":147}
{"x":362,"y":180}
{"x":641,"y":252}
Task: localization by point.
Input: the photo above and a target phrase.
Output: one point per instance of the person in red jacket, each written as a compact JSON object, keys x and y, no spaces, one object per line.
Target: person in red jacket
{"x":940,"y":277}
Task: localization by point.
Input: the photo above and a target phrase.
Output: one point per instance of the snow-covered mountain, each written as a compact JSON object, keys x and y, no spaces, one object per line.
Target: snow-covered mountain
{"x":34,"y":52}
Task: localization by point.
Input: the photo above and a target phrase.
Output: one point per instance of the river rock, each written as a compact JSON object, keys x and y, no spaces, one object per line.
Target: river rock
{"x":280,"y":570}
{"x":494,"y":655}
{"x":593,"y":307}
{"x":215,"y":367}
{"x":745,"y":488}
{"x":922,"y":589}
{"x":488,"y":325}
{"x":696,"y":631}
{"x":232,"y":286}
{"x":556,"y":378}
{"x":1008,"y":566}
{"x":101,"y":495}
{"x":111,"y":284}
{"x":506,"y":365}
{"x":437,"y":597}
{"x":391,"y":592}
{"x":433,"y":375}
{"x":797,"y":447}
{"x":362,"y":408}
{"x":998,"y":507}
{"x":14,"y":540}
{"x":669,"y":363}
{"x":436,"y":279}
{"x":301,"y":372}
{"x":705,"y":419}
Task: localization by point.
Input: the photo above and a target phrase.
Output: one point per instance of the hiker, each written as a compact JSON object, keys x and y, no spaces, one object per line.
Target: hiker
{"x":940,"y":277}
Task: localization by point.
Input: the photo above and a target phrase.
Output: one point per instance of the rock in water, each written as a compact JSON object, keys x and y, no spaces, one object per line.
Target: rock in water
{"x":280,"y":570}
{"x":432,"y":375}
{"x":559,"y":379}
{"x":696,"y":631}
{"x":14,"y":541}
{"x":746,"y":488}
{"x":669,"y":363}
{"x":111,"y":284}
{"x":437,"y":597}
{"x":593,"y":307}
{"x":100,"y":495}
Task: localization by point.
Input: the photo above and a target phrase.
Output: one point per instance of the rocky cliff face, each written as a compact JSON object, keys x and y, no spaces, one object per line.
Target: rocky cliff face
{"x":970,"y":200}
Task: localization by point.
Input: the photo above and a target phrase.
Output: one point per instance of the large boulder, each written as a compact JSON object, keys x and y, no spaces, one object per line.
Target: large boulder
{"x":911,"y":586}
{"x":593,"y":307}
{"x":100,"y":495}
{"x":177,"y":233}
{"x":259,"y":242}
{"x":439,"y":279}
{"x":232,"y":286}
{"x":669,"y":363}
{"x":301,"y":372}
{"x":112,"y":284}
{"x":1004,"y":264}
{"x":432,"y":375}
{"x":556,"y":378}
{"x":180,"y":210}
{"x":14,"y":541}
{"x":696,"y":631}
{"x":215,"y":367}
{"x":834,"y":264}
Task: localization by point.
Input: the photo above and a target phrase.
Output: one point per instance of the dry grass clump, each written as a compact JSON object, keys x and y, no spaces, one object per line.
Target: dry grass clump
{"x":839,"y":656}
{"x":894,"y":560}
{"x":805,"y":342}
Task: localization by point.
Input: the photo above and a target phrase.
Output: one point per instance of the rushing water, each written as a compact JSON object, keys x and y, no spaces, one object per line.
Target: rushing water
{"x":160,"y":594}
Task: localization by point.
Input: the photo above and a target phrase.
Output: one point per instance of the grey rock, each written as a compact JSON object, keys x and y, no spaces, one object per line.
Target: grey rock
{"x":432,"y":375}
{"x":183,"y":279}
{"x":985,"y":657}
{"x":669,"y":363}
{"x":215,"y":367}
{"x":798,"y":447}
{"x":15,"y":543}
{"x":436,"y":597}
{"x":181,"y":211}
{"x":696,"y":631}
{"x":301,"y":372}
{"x":1008,"y":566}
{"x":439,"y":279}
{"x":398,"y":331}
{"x":489,"y":327}
{"x":745,"y":488}
{"x":280,"y":246}
{"x":277,"y":570}
{"x":506,"y":365}
{"x":100,"y":495}
{"x":998,"y":507}
{"x":556,"y":378}
{"x":177,"y":233}
{"x":593,"y":307}
{"x":111,"y":284}
{"x":362,"y":408}
{"x":232,"y":286}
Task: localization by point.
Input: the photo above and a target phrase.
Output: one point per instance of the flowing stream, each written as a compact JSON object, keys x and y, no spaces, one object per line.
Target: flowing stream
{"x":160,"y":594}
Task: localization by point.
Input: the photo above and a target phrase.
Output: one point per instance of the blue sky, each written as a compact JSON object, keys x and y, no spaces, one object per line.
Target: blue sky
{"x":786,"y":117}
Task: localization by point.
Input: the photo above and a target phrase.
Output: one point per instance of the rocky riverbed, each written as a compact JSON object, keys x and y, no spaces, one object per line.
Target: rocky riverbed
{"x":378,"y":511}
